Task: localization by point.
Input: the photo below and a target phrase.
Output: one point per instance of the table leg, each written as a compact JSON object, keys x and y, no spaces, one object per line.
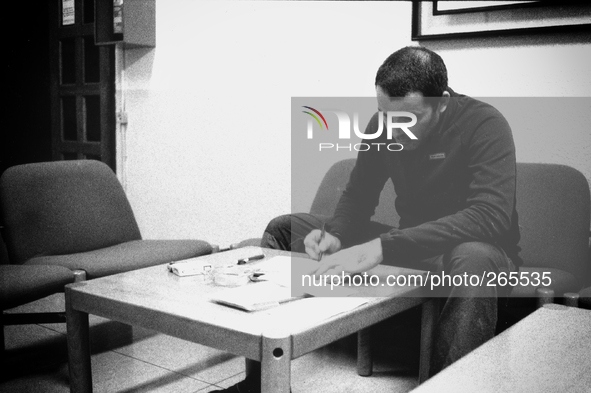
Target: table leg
{"x":276,"y":363}
{"x":428,"y":319}
{"x":252,"y":367}
{"x":364,"y":358}
{"x":78,"y":348}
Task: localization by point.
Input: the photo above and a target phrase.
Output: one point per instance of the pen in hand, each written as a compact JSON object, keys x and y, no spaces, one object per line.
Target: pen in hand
{"x":322,"y":234}
{"x":253,"y":258}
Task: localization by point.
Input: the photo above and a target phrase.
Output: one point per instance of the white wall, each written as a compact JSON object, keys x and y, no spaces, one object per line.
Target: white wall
{"x":207,"y":146}
{"x":539,"y":67}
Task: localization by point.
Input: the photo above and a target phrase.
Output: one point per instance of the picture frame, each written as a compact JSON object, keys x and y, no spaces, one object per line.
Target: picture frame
{"x":467,"y":19}
{"x":459,"y":7}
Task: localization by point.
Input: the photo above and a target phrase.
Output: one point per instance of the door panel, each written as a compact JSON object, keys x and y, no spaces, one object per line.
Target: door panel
{"x":82,"y":85}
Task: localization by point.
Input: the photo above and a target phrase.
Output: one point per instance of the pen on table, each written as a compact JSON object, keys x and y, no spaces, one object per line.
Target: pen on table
{"x":322,"y":233}
{"x":253,"y":258}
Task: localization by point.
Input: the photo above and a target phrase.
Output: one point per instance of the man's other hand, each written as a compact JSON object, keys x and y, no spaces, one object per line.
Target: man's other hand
{"x":356,"y":259}
{"x":316,"y":246}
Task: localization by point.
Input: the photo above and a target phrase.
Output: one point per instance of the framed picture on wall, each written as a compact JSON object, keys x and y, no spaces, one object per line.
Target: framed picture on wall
{"x":455,"y":19}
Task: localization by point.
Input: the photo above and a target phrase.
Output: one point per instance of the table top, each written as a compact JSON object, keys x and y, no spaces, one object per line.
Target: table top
{"x":181,"y":306}
{"x":548,"y":351}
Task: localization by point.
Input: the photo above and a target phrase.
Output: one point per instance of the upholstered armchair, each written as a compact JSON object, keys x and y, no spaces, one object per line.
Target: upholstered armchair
{"x":75,"y":214}
{"x":71,"y":220}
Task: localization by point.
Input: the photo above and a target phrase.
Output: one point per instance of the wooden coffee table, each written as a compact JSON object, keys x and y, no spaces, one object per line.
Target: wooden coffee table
{"x":156,"y":299}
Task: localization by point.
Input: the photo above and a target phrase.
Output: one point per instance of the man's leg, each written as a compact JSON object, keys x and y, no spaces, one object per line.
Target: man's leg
{"x":287,"y":232}
{"x":469,"y":314}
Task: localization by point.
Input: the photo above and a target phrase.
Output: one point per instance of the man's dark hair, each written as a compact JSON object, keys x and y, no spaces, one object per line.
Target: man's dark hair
{"x":412,"y":69}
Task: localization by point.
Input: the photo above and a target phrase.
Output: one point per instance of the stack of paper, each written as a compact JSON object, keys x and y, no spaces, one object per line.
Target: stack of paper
{"x":274,"y":286}
{"x":255,"y":296}
{"x":313,"y":310}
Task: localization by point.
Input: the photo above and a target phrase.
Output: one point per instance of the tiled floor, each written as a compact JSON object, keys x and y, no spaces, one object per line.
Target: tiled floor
{"x":126,"y":359}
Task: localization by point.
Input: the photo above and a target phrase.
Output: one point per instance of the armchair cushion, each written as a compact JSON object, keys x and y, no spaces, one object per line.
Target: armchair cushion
{"x":23,"y":284}
{"x":127,"y":256}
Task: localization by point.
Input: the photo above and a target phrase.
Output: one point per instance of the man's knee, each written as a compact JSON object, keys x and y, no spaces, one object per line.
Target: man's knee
{"x":476,"y":257}
{"x":287,"y":232}
{"x":277,"y":233}
{"x":279,"y":224}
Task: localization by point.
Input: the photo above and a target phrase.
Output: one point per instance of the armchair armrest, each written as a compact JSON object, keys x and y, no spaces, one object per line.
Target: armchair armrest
{"x":544,"y":296}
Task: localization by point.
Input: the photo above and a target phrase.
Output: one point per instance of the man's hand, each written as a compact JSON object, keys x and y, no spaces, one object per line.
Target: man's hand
{"x":317,"y":246}
{"x":356,"y":259}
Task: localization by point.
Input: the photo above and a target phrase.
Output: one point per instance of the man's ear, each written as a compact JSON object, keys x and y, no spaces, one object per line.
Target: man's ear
{"x":443,"y":102}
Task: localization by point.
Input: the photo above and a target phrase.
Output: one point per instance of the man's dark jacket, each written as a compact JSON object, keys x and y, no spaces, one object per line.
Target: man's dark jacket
{"x":457,"y":187}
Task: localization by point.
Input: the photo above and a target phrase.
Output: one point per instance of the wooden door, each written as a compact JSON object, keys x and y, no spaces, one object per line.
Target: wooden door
{"x":82,"y":85}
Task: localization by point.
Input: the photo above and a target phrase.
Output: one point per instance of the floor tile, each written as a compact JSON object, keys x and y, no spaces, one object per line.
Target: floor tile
{"x":46,"y":382}
{"x":226,"y":383}
{"x":211,"y":388}
{"x":184,"y":357}
{"x":19,"y":336}
{"x":333,"y":369}
{"x":113,"y":372}
{"x":30,"y":349}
